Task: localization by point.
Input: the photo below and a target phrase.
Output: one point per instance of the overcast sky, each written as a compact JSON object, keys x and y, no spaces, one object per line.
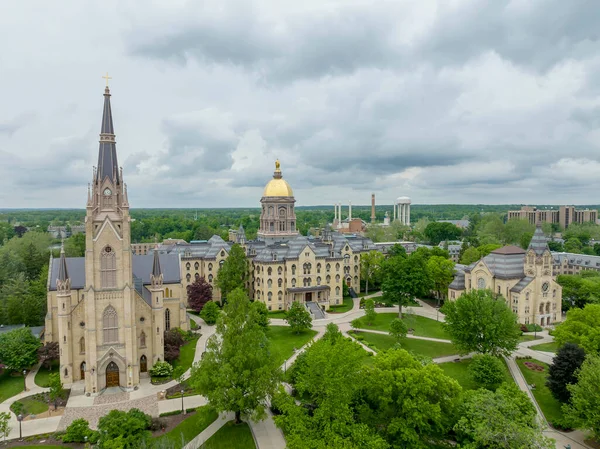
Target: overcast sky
{"x":449,"y":101}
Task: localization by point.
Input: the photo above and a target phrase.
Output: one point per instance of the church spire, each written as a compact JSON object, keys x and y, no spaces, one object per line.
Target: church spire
{"x":156,"y":278}
{"x":539,"y":241}
{"x":107,"y":154}
{"x":62,"y":280}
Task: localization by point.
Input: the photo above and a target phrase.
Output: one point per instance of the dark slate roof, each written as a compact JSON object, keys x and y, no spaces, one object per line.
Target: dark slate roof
{"x":142,"y":268}
{"x":156,"y":265}
{"x":539,"y":241}
{"x":521,"y":284}
{"x":107,"y":153}
{"x":510,"y":249}
{"x":506,"y":265}
{"x":458,"y":283}
{"x":573,"y":259}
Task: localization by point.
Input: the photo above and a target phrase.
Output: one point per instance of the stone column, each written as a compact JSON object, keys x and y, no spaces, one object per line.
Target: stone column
{"x":408,"y":216}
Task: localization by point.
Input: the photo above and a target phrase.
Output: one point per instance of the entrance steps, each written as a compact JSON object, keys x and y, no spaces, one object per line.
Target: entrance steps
{"x":315,"y":310}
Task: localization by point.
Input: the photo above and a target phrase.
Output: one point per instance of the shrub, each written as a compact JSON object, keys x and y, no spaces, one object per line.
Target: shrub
{"x":173,"y":413}
{"x":158,"y":424}
{"x":487,"y":371}
{"x":210,"y":312}
{"x":17,"y":407}
{"x":119,"y":429}
{"x":161,"y":369}
{"x":174,"y":337}
{"x":562,"y":423}
{"x":171,"y":353}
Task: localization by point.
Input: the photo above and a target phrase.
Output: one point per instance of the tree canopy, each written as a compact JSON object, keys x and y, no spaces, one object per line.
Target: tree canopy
{"x":561,"y":373}
{"x":441,"y":271}
{"x":479,"y":322}
{"x":584,"y":408}
{"x":233,"y":274}
{"x":371,"y":263}
{"x":199,"y":293}
{"x":437,"y":232}
{"x":238,"y":371}
{"x":298,"y":317}
{"x":581,"y":327}
{"x":405,"y":278}
{"x":19,"y":349}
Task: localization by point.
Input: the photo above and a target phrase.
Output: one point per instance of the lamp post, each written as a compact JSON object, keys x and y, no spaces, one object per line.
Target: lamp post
{"x":20,"y":419}
{"x":182,"y":409}
{"x":24,"y":380}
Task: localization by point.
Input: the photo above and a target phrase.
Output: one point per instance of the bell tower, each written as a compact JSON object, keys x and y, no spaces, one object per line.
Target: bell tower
{"x":109,"y":289}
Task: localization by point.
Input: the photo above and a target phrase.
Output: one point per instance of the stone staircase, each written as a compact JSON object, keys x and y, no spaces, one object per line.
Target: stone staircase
{"x":315,"y":310}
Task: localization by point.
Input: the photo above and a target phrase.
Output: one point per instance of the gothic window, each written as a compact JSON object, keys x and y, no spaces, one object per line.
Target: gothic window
{"x":143,"y":340}
{"x":481,"y":283}
{"x":269,"y":283}
{"x":110,"y":325}
{"x":279,"y":282}
{"x":337,"y":278}
{"x":279,"y":296}
{"x":527,"y":296}
{"x":541,"y":308}
{"x":554,"y":293}
{"x":318,"y":280}
{"x":66,"y":372}
{"x":210,"y":278}
{"x":279,"y":270}
{"x":318,"y":268}
{"x":498,"y":289}
{"x":293,"y":282}
{"x":328,"y":279}
{"x":547,"y":307}
{"x":355,"y":259}
{"x":270,"y":296}
{"x":188,"y":277}
{"x":337,"y":267}
{"x":108,"y":268}
{"x":188,"y":266}
{"x":167,"y":319}
{"x":293,"y":270}
{"x":196,"y":265}
{"x":337,"y":291}
{"x":197,"y":276}
{"x":269,"y":271}
{"x":82,"y":345}
{"x":328,"y":267}
{"x":355,"y":280}
{"x":210,"y":267}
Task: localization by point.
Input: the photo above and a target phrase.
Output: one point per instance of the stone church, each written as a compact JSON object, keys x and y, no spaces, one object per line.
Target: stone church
{"x":109,"y":310}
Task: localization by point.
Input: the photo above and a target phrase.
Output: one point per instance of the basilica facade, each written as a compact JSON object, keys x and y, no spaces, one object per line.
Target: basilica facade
{"x":108,"y":310}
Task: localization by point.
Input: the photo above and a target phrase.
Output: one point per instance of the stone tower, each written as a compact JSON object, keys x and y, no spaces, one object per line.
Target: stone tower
{"x":63,"y":296}
{"x":111,"y":352}
{"x":156,"y":289}
{"x":277,"y":218}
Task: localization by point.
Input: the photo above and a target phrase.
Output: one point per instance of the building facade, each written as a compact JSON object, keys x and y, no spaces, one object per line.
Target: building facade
{"x":524,"y":278}
{"x":109,"y":310}
{"x":564,"y":215}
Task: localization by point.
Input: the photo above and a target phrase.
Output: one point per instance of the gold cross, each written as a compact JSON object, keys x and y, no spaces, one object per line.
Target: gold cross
{"x":106,"y":77}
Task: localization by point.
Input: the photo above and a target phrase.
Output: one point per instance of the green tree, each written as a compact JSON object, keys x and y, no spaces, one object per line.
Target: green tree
{"x":124,"y":430}
{"x":298,"y":318}
{"x":561,"y":373}
{"x":441,"y":272}
{"x":517,"y":232}
{"x":584,"y":408}
{"x":405,"y":278}
{"x":4,"y":425}
{"x":262,"y":314}
{"x":398,"y":329}
{"x":233,"y":273}
{"x":75,"y":245}
{"x":573,"y":245}
{"x":18,"y":349}
{"x":370,"y":314}
{"x":478,"y":322}
{"x":580,"y":289}
{"x":504,"y":419}
{"x":409,"y":402}
{"x":56,"y":388}
{"x":79,"y":432}
{"x":370,"y":267}
{"x":48,"y":354}
{"x":199,"y":293}
{"x":487,"y":371}
{"x":437,"y":232}
{"x":210,"y":312}
{"x":470,"y":255}
{"x":581,"y":327}
{"x":238,"y":348}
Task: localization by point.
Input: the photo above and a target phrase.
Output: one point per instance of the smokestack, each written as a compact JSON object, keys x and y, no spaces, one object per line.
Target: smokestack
{"x":334,"y":214}
{"x":372,"y":208}
{"x":349,"y":211}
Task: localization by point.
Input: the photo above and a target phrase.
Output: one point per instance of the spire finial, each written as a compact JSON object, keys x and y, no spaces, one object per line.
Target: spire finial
{"x":277,"y":165}
{"x":106,"y":77}
{"x":62,"y":245}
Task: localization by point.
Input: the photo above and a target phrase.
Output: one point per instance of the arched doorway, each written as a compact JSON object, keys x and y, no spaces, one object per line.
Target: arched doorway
{"x":143,"y":364}
{"x":349,"y":281}
{"x":112,"y":375}
{"x":542,"y":322}
{"x":82,"y":370}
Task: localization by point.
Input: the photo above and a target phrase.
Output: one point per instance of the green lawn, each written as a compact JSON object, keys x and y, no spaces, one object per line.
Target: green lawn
{"x":190,"y":427}
{"x":423,"y":327}
{"x":278,"y":314}
{"x":186,"y":354}
{"x":431,"y":349}
{"x":9,"y":385}
{"x":31,"y":406}
{"x":550,"y":406}
{"x":283,"y":341}
{"x":345,"y":307}
{"x":547,"y":347}
{"x":460,"y":372}
{"x":231,"y":436}
{"x":529,"y":338}
{"x":42,"y":378}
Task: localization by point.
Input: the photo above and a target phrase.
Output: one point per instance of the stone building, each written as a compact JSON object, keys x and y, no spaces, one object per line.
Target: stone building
{"x":564,"y":215}
{"x":283,"y":265}
{"x":524,"y":278}
{"x":108,"y":310}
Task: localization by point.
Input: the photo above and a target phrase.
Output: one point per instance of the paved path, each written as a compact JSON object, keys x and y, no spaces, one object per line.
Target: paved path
{"x":266,"y":434}
{"x":203,"y":436}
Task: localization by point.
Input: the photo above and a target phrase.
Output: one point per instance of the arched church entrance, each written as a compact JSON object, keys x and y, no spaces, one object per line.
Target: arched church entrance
{"x":143,"y":364}
{"x":82,"y":370}
{"x":112,"y":375}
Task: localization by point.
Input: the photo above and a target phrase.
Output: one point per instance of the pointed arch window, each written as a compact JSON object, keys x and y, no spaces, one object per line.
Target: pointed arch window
{"x":82,"y":345}
{"x":143,"y":340}
{"x":167,"y":319}
{"x":110,"y":325}
{"x":108,"y":268}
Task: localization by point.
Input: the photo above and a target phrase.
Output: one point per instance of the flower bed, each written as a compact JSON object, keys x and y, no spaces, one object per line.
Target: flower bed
{"x":534,"y":366}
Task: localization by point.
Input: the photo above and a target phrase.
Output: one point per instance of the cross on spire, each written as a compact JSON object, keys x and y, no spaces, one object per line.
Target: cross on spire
{"x":106,"y":77}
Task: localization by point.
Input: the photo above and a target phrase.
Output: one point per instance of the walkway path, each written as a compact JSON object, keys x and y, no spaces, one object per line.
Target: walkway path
{"x":266,"y":434}
{"x":203,"y":436}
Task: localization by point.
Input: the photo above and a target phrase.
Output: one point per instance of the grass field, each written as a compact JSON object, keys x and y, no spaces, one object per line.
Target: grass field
{"x":231,"y":436}
{"x":550,"y":406}
{"x":30,"y":406}
{"x":427,"y":348}
{"x":284,"y":340}
{"x":342,"y":308}
{"x":186,"y":354}
{"x":42,"y":378}
{"x":278,"y":314}
{"x":529,"y":338}
{"x":423,"y":327}
{"x":460,"y":372}
{"x":190,"y":427}
{"x":9,"y":385}
{"x":547,"y":347}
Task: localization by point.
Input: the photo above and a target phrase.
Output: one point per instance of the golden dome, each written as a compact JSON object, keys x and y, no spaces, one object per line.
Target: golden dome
{"x":278,"y":186}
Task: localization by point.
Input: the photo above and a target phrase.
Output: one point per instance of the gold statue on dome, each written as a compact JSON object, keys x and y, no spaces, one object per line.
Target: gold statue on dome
{"x":277,"y":164}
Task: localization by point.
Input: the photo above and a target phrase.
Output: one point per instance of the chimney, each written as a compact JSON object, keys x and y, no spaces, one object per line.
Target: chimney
{"x":372,"y":208}
{"x":349,"y":211}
